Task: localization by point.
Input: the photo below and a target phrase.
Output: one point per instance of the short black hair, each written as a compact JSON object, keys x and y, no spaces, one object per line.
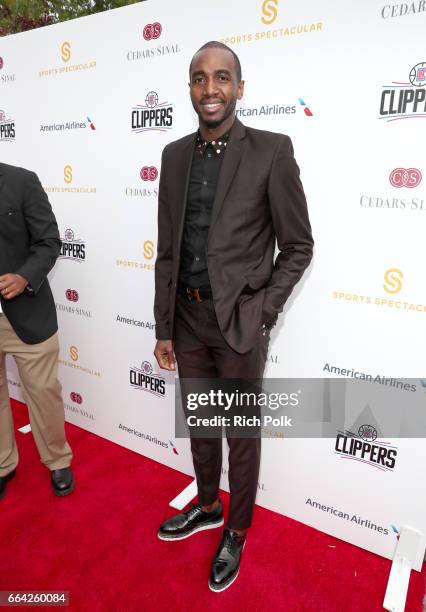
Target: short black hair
{"x":215,"y":44}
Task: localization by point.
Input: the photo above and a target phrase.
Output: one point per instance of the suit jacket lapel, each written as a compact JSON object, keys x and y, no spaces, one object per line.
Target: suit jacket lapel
{"x":184,"y":163}
{"x":229,"y":167}
{"x":1,"y":177}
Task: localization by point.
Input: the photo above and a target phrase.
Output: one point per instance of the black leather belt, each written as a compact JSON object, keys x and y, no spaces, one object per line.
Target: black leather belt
{"x":198,"y":294}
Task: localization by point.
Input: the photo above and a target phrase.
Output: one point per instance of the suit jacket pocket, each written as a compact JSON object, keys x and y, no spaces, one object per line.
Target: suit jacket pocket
{"x":257,"y":281}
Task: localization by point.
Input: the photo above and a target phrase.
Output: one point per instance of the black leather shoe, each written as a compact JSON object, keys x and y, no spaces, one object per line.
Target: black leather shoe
{"x":3,"y":482}
{"x":62,"y":482}
{"x":226,"y":563}
{"x":187,"y":523}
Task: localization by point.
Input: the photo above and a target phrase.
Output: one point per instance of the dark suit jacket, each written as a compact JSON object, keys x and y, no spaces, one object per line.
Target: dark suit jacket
{"x":259,"y":202}
{"x":29,"y":246}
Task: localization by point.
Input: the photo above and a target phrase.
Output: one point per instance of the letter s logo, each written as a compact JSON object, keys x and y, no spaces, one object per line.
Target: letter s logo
{"x":148,"y":249}
{"x":74,"y":353}
{"x":66,"y":52}
{"x":269,"y":11}
{"x":393,"y":280}
{"x":68,"y":174}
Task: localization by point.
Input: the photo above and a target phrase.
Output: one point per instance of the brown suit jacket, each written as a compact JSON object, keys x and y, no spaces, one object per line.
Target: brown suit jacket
{"x":259,"y":202}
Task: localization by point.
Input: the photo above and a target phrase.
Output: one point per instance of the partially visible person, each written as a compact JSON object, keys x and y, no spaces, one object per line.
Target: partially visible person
{"x":29,"y":247}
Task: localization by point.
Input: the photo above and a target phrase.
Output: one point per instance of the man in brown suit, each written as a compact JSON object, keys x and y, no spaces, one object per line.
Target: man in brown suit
{"x":228,"y":194}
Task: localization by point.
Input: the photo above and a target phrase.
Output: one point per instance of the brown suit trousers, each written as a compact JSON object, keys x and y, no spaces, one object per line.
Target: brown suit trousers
{"x":202,"y":352}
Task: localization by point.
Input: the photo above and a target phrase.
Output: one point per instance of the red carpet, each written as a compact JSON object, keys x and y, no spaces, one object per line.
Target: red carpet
{"x":100,"y":544}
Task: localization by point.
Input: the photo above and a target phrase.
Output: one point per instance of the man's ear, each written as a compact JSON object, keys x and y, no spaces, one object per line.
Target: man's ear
{"x":240,"y":90}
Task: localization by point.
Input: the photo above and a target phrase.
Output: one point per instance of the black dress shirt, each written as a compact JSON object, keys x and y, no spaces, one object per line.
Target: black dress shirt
{"x":205,"y":169}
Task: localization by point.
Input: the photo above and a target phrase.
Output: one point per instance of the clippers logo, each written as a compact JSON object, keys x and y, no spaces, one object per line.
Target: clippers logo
{"x":74,"y":353}
{"x":152,"y":31}
{"x":7,"y":128}
{"x":368,"y":433}
{"x":66,"y":51}
{"x":269,"y":11}
{"x":76,"y":397}
{"x":405,"y":100}
{"x":393,"y":280}
{"x":360,"y":447}
{"x":148,"y":173}
{"x":405,"y":177}
{"x":68,"y":174}
{"x":72,"y":248}
{"x":152,"y":115}
{"x":306,"y":110}
{"x":418,"y":75}
{"x":145,"y":379}
{"x":71,"y":295}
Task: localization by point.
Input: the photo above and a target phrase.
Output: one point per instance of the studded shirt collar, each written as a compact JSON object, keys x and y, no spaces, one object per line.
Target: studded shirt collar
{"x":218,"y":145}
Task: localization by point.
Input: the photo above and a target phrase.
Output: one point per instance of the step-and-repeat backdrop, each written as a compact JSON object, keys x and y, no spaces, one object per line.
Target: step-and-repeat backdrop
{"x":90,"y":104}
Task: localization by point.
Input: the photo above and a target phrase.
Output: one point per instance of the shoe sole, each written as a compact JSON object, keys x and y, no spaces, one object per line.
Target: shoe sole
{"x":183,"y":536}
{"x":219,"y":589}
{"x":65,"y":492}
{"x":216,"y":589}
{"x":8,"y":477}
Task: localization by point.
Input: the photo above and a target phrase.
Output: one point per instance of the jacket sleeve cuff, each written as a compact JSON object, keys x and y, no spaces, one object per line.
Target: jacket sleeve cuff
{"x":162,"y":331}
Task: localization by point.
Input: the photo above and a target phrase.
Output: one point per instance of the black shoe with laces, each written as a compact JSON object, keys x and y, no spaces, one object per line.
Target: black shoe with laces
{"x":187,"y":523}
{"x":3,"y":482}
{"x":226,"y":563}
{"x":62,"y":481}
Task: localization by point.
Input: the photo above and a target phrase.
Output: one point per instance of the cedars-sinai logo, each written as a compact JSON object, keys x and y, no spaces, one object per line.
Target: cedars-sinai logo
{"x":152,"y":31}
{"x":153,"y":115}
{"x":149,"y":173}
{"x":405,"y":177}
{"x":145,"y":379}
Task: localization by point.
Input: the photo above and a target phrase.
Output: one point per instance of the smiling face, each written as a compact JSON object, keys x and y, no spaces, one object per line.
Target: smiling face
{"x":215,"y":88}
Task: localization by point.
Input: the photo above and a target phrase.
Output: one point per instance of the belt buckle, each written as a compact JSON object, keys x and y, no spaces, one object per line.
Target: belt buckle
{"x":193,"y":294}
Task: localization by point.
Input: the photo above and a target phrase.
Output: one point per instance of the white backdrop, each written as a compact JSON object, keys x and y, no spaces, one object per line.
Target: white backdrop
{"x":313,"y":70}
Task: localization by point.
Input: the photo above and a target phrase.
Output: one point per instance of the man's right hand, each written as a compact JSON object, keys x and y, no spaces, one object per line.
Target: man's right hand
{"x":164,"y":354}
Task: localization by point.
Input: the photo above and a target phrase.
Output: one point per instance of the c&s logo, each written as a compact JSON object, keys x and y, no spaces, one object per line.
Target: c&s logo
{"x":71,"y":295}
{"x":68,"y":174}
{"x":76,"y":397}
{"x":149,"y":173}
{"x":405,"y":177}
{"x":74,"y":353}
{"x":269,"y":11}
{"x":66,"y":51}
{"x":152,"y":31}
{"x":393,"y":280}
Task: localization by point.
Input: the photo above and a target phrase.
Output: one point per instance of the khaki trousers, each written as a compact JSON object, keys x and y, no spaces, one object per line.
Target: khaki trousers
{"x":38,"y":368}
